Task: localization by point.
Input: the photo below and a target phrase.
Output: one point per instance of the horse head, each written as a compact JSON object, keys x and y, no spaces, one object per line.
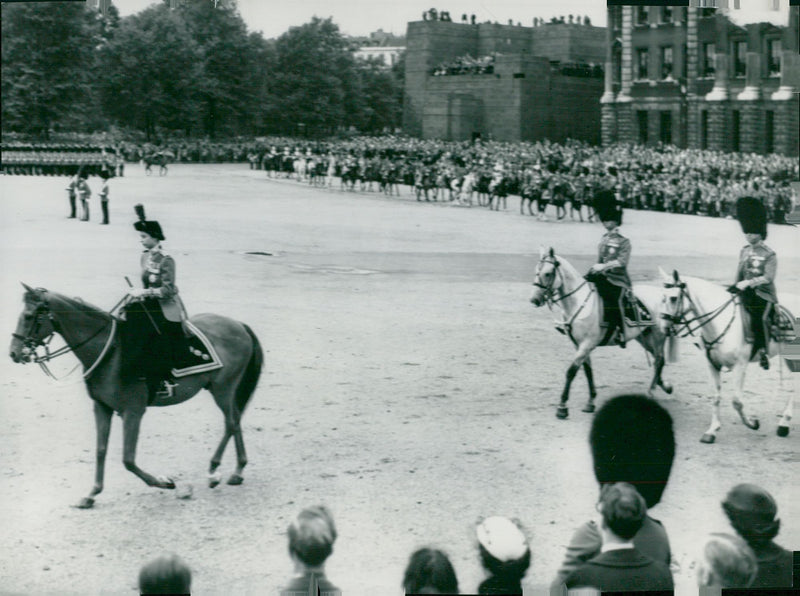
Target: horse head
{"x":35,"y":325}
{"x":672,"y":300}
{"x":547,"y":280}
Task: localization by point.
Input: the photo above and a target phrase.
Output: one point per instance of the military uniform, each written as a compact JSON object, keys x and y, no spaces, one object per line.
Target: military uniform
{"x":758,"y":264}
{"x":104,"y":197}
{"x":84,"y":192}
{"x":153,"y":328}
{"x":614,"y":252}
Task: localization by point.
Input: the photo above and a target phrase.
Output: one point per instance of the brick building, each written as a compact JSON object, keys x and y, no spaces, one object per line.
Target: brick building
{"x":702,"y":78}
{"x":544,"y":81}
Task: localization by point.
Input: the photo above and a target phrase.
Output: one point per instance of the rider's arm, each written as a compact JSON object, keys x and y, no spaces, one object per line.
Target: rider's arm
{"x":167,"y":289}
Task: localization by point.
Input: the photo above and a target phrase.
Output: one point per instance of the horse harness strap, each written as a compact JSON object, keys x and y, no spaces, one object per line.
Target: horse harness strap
{"x":706,"y":318}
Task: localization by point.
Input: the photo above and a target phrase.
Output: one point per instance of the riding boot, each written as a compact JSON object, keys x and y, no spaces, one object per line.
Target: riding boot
{"x":104,"y":206}
{"x":71,"y":208}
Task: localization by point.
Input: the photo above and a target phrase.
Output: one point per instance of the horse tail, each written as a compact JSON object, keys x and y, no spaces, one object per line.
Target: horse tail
{"x":251,"y":374}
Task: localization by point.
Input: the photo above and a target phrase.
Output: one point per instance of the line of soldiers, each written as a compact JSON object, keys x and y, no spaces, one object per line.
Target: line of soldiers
{"x":78,"y":188}
{"x":51,"y":159}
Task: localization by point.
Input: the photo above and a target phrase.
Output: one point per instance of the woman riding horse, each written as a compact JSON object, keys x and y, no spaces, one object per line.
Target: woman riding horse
{"x":153,"y":330}
{"x":610,"y":273}
{"x":755,"y":277}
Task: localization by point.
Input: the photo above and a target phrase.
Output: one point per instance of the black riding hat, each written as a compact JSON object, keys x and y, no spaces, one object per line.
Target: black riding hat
{"x":607,"y":206}
{"x":752,"y":216}
{"x":151,"y":228}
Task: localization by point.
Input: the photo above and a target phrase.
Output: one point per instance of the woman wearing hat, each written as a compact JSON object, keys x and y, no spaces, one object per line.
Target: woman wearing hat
{"x":155,"y":314}
{"x":610,"y":273}
{"x":505,"y":554}
{"x":755,"y":277}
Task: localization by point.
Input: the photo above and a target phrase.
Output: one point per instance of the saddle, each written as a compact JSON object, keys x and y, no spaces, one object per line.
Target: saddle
{"x":199,"y":355}
{"x":634,"y":312}
{"x":782,"y":326}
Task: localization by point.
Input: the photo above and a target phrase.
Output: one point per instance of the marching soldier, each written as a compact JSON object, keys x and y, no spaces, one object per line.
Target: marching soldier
{"x":610,"y":273}
{"x":755,"y":277}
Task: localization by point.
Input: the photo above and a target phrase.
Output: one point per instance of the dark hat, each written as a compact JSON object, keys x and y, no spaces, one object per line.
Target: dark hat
{"x":151,"y":228}
{"x":607,"y":207}
{"x":752,"y":216}
{"x":632,"y":441}
{"x":752,"y":501}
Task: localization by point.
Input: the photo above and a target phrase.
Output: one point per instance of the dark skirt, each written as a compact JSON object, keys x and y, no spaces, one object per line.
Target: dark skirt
{"x":150,"y":341}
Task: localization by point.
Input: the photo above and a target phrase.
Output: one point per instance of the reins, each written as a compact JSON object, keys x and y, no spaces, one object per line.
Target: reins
{"x":685,"y":325}
{"x":551,"y":300}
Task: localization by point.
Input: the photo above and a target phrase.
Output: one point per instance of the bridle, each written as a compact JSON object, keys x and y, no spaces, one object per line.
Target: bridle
{"x":685,"y":325}
{"x":31,"y":342}
{"x":551,"y":289}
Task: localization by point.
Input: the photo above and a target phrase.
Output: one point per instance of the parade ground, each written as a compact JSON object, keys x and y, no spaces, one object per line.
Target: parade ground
{"x":408,"y":384}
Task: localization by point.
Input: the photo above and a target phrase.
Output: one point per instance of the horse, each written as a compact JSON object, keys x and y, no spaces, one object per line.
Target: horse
{"x":557,"y":282}
{"x":691,"y":304}
{"x":159,"y":159}
{"x":91,"y":333}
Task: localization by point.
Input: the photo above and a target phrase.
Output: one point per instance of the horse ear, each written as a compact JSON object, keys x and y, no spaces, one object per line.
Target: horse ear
{"x":551,"y":253}
{"x":675,"y":275}
{"x":27,"y":287}
{"x":664,"y":275}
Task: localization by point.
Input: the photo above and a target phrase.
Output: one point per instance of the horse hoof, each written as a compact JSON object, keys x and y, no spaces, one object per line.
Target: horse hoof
{"x":85,"y":503}
{"x":562,"y":413}
{"x":708,"y":438}
{"x":667,"y":388}
{"x":213,"y":482}
{"x":589,"y":408}
{"x":235,"y":480}
{"x":755,"y":424}
{"x":783,"y":431}
{"x":164,"y":482}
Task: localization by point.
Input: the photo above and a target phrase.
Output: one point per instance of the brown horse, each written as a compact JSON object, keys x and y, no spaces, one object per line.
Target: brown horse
{"x":91,"y":334}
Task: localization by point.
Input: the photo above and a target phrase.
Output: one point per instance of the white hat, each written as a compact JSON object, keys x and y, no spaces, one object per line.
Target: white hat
{"x":502,"y":538}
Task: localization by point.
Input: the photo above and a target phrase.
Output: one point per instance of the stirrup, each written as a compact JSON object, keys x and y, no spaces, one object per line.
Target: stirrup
{"x":764,"y":360}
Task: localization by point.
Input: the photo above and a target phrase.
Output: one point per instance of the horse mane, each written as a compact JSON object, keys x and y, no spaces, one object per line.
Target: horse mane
{"x":77,"y":304}
{"x":566,"y":265}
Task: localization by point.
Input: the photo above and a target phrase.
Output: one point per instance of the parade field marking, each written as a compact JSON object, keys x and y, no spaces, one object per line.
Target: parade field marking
{"x":408,"y":384}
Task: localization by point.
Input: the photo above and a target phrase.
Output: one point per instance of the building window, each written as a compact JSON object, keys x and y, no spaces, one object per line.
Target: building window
{"x":774,"y":57}
{"x":641,"y":15}
{"x":666,"y":128}
{"x":641,"y":117}
{"x":736,"y":129}
{"x":708,"y":59}
{"x":666,"y":62}
{"x":704,"y":129}
{"x":739,"y":58}
{"x":706,"y":12}
{"x":641,"y":63}
{"x":666,"y":14}
{"x":769,"y":123}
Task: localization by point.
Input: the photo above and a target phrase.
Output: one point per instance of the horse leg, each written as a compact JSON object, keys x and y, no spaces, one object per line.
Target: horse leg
{"x":738,"y":405}
{"x":711,"y":434}
{"x":102,"y":419}
{"x":783,"y":425}
{"x":131,"y":421}
{"x":241,"y":455}
{"x":213,"y":476}
{"x":583,"y":351}
{"x":587,"y":369}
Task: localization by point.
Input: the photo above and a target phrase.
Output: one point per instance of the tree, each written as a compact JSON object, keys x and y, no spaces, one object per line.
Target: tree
{"x":382,"y":97}
{"x":151,"y":69}
{"x":315,"y":81}
{"x":48,"y":60}
{"x":229,"y":88}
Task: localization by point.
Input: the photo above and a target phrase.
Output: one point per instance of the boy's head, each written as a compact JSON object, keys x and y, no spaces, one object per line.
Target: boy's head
{"x":623,"y":509}
{"x":311,"y":536}
{"x":167,"y":574}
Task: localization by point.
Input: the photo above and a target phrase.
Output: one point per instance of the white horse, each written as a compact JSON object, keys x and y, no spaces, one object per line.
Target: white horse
{"x":558,"y":284}
{"x":692,"y":305}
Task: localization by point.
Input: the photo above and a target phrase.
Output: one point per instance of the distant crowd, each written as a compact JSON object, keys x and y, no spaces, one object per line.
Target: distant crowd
{"x":633,"y":447}
{"x":433,"y":14}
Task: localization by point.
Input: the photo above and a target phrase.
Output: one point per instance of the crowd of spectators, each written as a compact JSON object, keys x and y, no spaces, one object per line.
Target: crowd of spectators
{"x":633,"y":446}
{"x":466,"y":65}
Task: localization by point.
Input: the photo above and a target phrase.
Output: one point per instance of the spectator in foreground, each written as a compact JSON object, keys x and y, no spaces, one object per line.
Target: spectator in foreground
{"x":311,"y":538}
{"x":632,"y":441}
{"x":751,"y":511}
{"x":429,"y":571}
{"x":726,"y":562}
{"x":505,"y":554}
{"x":620,"y":566}
{"x":167,"y":574}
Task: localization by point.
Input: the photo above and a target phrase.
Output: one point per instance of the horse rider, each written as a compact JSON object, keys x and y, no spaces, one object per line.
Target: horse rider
{"x":755,"y":277}
{"x":610,"y":273}
{"x":154,"y":317}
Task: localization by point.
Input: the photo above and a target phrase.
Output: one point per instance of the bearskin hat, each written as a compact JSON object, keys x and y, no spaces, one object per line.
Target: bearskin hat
{"x":151,"y":228}
{"x":752,"y":216}
{"x":632,"y":441}
{"x":607,"y":207}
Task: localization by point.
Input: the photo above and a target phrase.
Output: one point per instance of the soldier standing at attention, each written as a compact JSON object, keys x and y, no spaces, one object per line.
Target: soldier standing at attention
{"x":104,"y":196}
{"x":71,"y":189}
{"x":85,"y":193}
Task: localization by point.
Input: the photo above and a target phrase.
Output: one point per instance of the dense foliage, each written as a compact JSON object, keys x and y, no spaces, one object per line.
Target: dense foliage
{"x":193,"y":70}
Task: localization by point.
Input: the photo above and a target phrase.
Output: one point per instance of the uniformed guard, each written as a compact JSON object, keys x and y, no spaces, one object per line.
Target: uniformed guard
{"x":72,"y":190}
{"x":153,"y":329}
{"x":105,"y":175}
{"x":85,"y":193}
{"x":610,"y":273}
{"x":755,"y":277}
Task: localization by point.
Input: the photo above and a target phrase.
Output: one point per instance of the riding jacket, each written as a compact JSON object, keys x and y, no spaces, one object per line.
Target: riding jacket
{"x":758,"y":264}
{"x":158,"y":278}
{"x":615,"y":249}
